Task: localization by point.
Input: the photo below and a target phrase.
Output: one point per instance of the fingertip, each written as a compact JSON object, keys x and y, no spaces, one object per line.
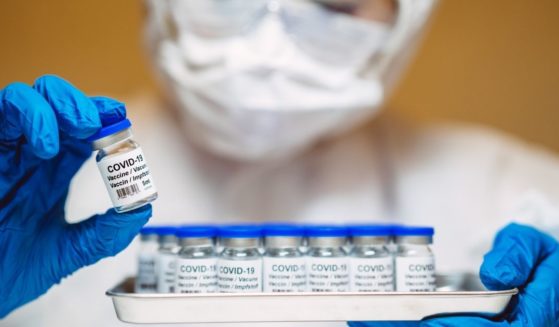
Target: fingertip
{"x":76,"y":113}
{"x":110,"y":110}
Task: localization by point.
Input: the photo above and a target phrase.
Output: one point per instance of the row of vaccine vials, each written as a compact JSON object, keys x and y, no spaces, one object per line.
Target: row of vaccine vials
{"x":285,"y":258}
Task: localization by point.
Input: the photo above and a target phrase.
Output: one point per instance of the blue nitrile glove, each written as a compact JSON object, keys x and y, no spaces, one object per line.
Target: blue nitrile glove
{"x":42,"y":146}
{"x":521,"y":257}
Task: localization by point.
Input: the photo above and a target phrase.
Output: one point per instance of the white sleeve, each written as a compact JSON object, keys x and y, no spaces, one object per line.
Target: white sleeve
{"x":529,"y":187}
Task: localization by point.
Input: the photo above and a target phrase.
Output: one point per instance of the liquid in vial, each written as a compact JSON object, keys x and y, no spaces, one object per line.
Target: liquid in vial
{"x":284,"y":265}
{"x":146,"y":279}
{"x":196,"y":266}
{"x":239,"y":266}
{"x":327,"y":262}
{"x":371,"y":263}
{"x":166,"y":260}
{"x":415,"y":262}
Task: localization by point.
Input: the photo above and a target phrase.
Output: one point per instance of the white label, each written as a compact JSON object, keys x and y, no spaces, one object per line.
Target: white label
{"x":127,"y":177}
{"x":146,"y":280}
{"x":284,"y":274}
{"x":327,"y":274}
{"x":371,"y":274}
{"x":166,"y":263}
{"x":236,"y":276}
{"x":415,"y":274}
{"x":196,"y":275}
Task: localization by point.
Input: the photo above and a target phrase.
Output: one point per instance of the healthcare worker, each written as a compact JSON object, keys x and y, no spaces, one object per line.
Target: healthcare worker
{"x":276,"y":115}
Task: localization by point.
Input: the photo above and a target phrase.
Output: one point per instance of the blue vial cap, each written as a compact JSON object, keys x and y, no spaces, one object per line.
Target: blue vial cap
{"x":239,"y":231}
{"x":413,"y":231}
{"x":165,"y":230}
{"x":195,"y":231}
{"x":110,"y":130}
{"x":326,"y":231}
{"x":148,"y":230}
{"x":287,"y":230}
{"x":371,"y":230}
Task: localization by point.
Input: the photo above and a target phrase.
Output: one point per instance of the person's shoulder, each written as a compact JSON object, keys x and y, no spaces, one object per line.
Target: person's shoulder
{"x":486,"y":141}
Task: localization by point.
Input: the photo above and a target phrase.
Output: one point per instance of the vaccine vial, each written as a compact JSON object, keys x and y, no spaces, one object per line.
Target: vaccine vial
{"x":196,"y":265}
{"x":123,"y":167}
{"x":146,"y":279}
{"x":371,"y":263}
{"x":283,"y":262}
{"x":327,"y":262}
{"x":414,"y":260}
{"x":239,"y":266}
{"x":166,"y":260}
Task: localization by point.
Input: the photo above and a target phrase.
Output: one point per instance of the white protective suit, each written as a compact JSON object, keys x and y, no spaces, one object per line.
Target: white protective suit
{"x":466,"y":181}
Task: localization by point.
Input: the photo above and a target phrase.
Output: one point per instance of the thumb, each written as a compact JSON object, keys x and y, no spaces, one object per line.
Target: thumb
{"x":101,"y":236}
{"x":517,"y":252}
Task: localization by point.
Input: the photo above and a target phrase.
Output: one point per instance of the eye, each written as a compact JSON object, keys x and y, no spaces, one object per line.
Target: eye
{"x":383,"y":11}
{"x":339,"y":6}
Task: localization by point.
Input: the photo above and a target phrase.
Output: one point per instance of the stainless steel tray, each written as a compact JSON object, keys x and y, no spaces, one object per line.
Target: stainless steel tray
{"x":457,"y":293}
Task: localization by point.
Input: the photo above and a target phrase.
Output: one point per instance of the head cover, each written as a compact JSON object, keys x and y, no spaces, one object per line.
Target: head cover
{"x":262,"y":79}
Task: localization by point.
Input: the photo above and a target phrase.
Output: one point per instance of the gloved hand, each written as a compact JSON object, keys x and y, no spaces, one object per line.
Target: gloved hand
{"x":521,"y":257}
{"x":42,"y":145}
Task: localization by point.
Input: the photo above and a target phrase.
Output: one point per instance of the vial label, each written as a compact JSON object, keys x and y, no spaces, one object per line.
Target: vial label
{"x":327,"y":274}
{"x":235,"y":276}
{"x":166,"y":263}
{"x":196,"y":275}
{"x":284,"y":274}
{"x":127,"y":177}
{"x":146,"y":280}
{"x":415,"y":274}
{"x":371,"y":274}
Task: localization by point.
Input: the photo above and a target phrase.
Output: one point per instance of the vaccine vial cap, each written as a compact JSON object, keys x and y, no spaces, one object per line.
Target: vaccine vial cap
{"x":110,"y":130}
{"x":239,"y":231}
{"x":196,"y":231}
{"x":148,"y":230}
{"x":413,"y":231}
{"x":370,"y":230}
{"x":165,"y":230}
{"x":283,"y":230}
{"x":326,"y":231}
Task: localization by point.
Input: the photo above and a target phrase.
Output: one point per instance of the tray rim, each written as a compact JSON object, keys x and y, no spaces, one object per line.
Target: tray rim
{"x":114,"y":293}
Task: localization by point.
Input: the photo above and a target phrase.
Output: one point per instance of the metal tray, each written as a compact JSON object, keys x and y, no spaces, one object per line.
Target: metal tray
{"x":456,"y":293}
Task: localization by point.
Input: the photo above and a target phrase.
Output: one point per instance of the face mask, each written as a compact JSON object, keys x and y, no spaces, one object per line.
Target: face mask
{"x":264,"y":79}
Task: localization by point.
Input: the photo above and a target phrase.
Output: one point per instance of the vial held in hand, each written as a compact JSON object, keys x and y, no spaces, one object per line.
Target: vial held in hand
{"x":123,"y":167}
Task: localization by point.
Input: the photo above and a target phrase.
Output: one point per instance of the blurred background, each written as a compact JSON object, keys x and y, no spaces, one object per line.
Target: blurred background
{"x":491,"y":62}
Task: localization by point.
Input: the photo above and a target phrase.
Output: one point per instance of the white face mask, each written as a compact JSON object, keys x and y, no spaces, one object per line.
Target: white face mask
{"x":262,"y":79}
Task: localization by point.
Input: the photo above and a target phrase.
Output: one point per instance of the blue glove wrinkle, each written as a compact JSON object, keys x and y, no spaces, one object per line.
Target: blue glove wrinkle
{"x":77,"y":115}
{"x":538,"y":302}
{"x":110,"y":110}
{"x":24,"y":112}
{"x":101,"y":236}
{"x":43,"y":186}
{"x":516,"y":251}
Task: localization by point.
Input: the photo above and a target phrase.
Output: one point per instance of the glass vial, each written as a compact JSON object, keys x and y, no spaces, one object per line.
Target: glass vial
{"x":371,"y":263}
{"x":166,"y":260}
{"x":283,"y":262}
{"x":196,"y":270}
{"x":123,"y":167}
{"x":327,"y":262}
{"x":415,"y":262}
{"x":146,"y":279}
{"x":239,"y":266}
